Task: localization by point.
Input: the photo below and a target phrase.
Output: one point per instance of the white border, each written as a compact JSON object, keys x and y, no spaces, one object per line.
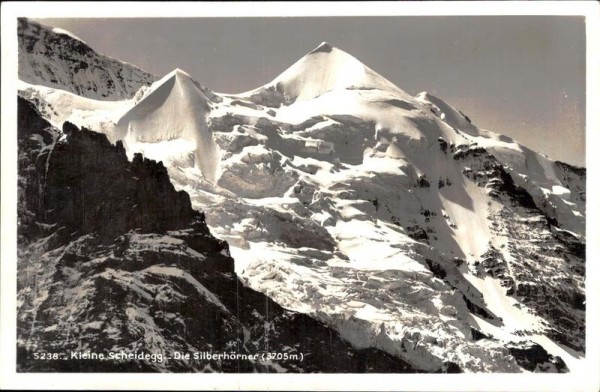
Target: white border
{"x":587,"y":379}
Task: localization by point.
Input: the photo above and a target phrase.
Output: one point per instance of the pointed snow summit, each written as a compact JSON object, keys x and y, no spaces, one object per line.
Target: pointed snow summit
{"x":324,"y":69}
{"x":173,"y":109}
{"x":324,"y":47}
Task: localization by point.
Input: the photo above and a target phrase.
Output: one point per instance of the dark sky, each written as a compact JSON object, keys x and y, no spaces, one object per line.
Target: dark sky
{"x":523,"y":76}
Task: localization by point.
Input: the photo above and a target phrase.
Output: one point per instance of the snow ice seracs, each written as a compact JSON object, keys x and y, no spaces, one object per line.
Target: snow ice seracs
{"x":362,"y":237}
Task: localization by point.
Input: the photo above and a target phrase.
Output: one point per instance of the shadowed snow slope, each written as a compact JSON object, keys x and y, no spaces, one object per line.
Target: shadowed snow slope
{"x":174,"y":109}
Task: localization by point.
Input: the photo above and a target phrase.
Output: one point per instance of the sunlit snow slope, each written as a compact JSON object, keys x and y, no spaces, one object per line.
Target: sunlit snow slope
{"x":326,"y":68}
{"x":392,"y":218}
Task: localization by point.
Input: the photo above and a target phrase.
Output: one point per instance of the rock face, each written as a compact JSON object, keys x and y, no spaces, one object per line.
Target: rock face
{"x":545,"y":265}
{"x":55,"y":58}
{"x":113,"y":261}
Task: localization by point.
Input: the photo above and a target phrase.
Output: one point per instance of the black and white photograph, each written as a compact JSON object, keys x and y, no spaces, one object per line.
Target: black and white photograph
{"x":392,"y":193}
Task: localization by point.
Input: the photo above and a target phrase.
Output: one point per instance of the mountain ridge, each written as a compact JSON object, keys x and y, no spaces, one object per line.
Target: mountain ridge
{"x":394,"y":219}
{"x":46,"y":58}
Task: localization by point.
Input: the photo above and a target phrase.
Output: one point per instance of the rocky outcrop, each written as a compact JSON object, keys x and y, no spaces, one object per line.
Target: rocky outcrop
{"x":117,"y":273}
{"x":542,"y":265}
{"x":85,"y":184}
{"x":534,"y":358}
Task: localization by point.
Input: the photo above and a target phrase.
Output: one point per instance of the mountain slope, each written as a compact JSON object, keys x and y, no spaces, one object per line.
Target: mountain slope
{"x":56,"y":58}
{"x":392,"y":218}
{"x":113,"y":261}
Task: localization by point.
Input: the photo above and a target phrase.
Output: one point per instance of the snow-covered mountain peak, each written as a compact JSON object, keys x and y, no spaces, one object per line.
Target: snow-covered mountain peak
{"x":173,"y":111}
{"x":179,"y":73}
{"x":324,"y":69}
{"x":43,"y":60}
{"x":67,"y":33}
{"x":176,"y":76}
{"x":450,"y":115}
{"x":324,"y":47}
